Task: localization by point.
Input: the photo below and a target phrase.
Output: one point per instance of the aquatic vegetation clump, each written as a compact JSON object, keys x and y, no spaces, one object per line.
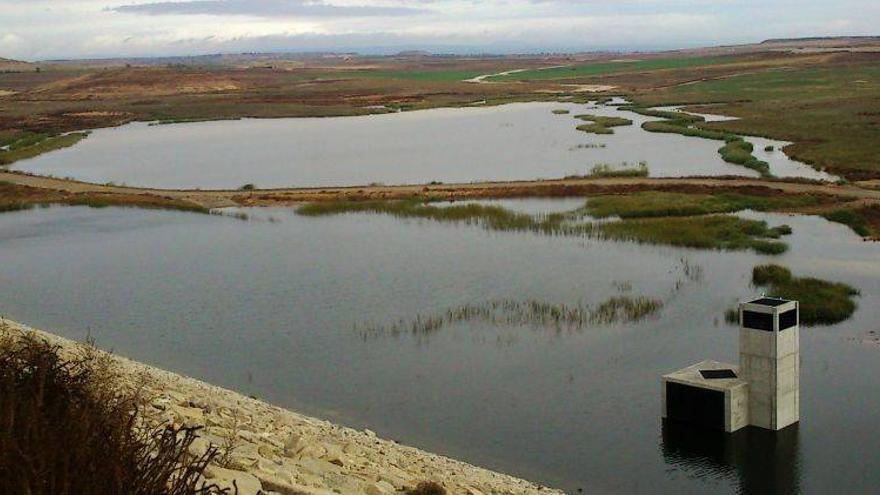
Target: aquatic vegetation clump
{"x":598,"y":124}
{"x":703,"y":232}
{"x":561,"y":111}
{"x":667,"y":127}
{"x":855,"y":219}
{"x":623,"y":170}
{"x":534,"y":313}
{"x":736,"y":150}
{"x":821,"y":302}
{"x":739,"y":152}
{"x":673,"y":204}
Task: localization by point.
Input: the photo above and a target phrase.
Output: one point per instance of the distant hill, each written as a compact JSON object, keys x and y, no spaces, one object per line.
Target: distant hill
{"x":9,"y":65}
{"x":847,"y":40}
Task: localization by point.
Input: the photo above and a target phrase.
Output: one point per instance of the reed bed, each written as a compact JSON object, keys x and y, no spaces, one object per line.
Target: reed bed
{"x":533,"y":313}
{"x":622,"y":170}
{"x":725,"y":232}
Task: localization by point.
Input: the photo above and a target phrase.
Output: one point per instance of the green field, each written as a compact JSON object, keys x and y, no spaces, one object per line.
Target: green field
{"x":601,"y":68}
{"x":831,"y":114}
{"x":423,"y":75}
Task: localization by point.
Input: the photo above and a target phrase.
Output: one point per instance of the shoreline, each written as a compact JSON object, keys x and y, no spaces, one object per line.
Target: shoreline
{"x":285,"y":196}
{"x":278,"y":451}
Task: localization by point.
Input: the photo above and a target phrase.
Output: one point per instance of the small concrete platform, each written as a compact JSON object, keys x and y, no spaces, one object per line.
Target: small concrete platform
{"x":710,"y":392}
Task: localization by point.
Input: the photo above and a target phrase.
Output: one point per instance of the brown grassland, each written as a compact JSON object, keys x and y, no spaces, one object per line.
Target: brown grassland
{"x":827,"y":103}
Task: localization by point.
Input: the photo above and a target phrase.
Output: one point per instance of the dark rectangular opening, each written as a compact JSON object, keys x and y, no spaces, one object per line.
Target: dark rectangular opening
{"x":788,"y":319}
{"x":769,"y":301}
{"x":717,"y":374}
{"x":758,"y":321}
{"x":698,"y":406}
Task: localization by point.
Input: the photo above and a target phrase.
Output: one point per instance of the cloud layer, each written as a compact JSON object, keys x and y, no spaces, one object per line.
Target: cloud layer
{"x":266,"y":8}
{"x":44,"y":29}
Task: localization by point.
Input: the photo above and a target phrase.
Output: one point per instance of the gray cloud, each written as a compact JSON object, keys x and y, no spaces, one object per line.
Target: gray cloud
{"x":266,"y":8}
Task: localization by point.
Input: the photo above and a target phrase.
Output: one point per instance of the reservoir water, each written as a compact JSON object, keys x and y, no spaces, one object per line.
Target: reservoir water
{"x":272,"y":306}
{"x":519,"y":141}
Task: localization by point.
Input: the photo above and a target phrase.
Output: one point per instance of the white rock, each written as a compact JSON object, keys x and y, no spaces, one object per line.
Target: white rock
{"x":247,"y":484}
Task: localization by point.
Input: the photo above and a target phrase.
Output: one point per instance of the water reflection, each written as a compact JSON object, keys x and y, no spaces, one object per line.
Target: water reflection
{"x":755,"y":460}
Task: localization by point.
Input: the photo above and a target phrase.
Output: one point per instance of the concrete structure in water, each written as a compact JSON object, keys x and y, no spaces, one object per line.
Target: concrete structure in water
{"x":763,"y":391}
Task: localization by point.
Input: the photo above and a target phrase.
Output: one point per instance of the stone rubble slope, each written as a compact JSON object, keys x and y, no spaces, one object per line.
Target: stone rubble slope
{"x":271,"y":450}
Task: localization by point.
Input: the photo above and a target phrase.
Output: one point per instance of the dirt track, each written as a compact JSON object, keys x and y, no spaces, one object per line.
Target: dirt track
{"x":560,"y":187}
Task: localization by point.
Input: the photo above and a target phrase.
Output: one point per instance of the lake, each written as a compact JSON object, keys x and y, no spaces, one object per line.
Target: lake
{"x":519,"y":141}
{"x":272,"y":307}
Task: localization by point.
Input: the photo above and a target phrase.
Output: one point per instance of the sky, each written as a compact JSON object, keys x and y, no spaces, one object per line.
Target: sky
{"x":51,"y":29}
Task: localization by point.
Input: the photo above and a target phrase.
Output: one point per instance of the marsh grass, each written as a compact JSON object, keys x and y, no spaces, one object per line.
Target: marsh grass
{"x":853,"y":219}
{"x":34,"y":145}
{"x":724,"y":232}
{"x":561,"y":111}
{"x":671,"y":204}
{"x":598,"y":124}
{"x":821,"y":302}
{"x":739,"y":152}
{"x":622,"y":170}
{"x":736,"y":150}
{"x":668,"y":127}
{"x":534,"y":313}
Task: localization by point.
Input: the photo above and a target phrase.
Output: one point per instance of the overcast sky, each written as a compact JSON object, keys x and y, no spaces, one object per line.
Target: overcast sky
{"x":45,"y":29}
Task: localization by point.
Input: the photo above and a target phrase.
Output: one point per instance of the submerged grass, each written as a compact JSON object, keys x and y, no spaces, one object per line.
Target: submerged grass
{"x":672,"y":204}
{"x":821,"y":302}
{"x":703,"y":232}
{"x":535,"y":313}
{"x":33,"y":145}
{"x":598,"y":124}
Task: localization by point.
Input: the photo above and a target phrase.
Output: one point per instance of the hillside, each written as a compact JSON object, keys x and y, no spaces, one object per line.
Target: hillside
{"x":9,"y":65}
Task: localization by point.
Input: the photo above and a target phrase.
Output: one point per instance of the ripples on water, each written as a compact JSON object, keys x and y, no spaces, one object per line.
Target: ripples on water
{"x":509,"y":142}
{"x":274,"y":302}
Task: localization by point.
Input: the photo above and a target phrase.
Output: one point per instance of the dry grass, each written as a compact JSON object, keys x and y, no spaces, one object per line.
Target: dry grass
{"x":68,"y":427}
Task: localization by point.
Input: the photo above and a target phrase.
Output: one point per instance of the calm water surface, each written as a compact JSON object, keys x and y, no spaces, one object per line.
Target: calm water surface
{"x":269,"y":308}
{"x":510,"y":142}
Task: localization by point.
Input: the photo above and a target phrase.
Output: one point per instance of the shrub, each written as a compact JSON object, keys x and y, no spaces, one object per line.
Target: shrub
{"x":67,"y":427}
{"x":427,"y":488}
{"x":247,"y":187}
